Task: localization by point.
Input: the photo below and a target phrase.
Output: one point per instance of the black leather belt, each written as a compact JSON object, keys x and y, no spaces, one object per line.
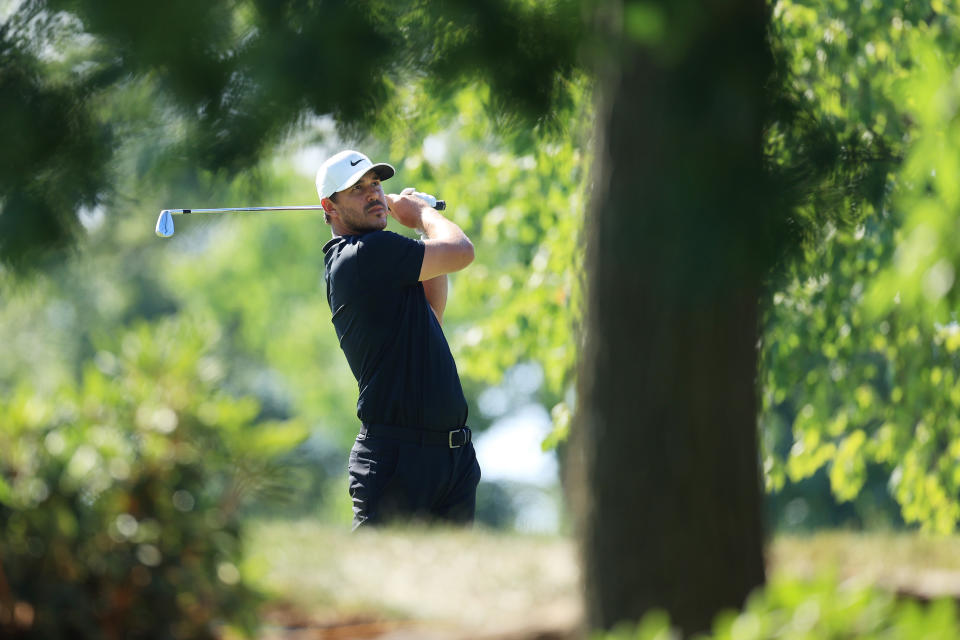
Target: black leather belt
{"x":453,"y":439}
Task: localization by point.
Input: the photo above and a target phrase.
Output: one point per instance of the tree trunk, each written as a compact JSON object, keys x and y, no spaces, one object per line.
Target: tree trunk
{"x":676,"y":259}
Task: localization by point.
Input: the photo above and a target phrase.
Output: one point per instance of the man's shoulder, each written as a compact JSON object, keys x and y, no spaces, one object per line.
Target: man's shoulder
{"x":381,"y":238}
{"x":387,"y":256}
{"x":335,"y":244}
{"x":365,"y":240}
{"x":381,"y":245}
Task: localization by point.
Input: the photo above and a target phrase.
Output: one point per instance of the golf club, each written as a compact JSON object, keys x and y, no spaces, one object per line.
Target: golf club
{"x":165,"y":221}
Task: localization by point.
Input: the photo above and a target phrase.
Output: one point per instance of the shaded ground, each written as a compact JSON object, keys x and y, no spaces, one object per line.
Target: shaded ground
{"x":420,"y":584}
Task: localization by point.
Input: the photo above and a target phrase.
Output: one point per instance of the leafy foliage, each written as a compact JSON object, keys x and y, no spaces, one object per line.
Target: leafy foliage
{"x":859,"y":353}
{"x":54,"y":160}
{"x":120,"y":494}
{"x":798,"y":610}
{"x":237,"y":77}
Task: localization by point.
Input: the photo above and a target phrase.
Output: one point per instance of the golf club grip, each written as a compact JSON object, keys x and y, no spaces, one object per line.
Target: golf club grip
{"x":432,"y":200}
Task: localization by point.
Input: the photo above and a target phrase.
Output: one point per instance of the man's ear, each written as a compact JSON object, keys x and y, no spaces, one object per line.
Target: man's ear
{"x":329,"y":207}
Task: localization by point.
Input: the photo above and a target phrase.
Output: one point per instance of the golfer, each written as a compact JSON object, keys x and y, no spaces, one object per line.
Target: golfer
{"x":413,"y":458}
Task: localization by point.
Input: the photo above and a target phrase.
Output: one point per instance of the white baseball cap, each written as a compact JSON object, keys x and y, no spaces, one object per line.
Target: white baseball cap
{"x":344,"y":169}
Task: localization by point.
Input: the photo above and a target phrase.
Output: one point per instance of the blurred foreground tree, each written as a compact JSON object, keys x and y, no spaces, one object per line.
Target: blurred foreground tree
{"x":746,"y":158}
{"x":682,"y":236}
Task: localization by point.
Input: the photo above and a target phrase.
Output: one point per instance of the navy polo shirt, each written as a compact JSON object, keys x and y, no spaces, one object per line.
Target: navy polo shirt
{"x":393,"y":342}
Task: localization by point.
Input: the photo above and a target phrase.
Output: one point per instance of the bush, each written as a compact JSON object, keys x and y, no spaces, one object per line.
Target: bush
{"x":119,"y":495}
{"x":790,"y":609}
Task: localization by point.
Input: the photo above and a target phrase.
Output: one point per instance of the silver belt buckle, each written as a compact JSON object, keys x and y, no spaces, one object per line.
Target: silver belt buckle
{"x":450,"y":439}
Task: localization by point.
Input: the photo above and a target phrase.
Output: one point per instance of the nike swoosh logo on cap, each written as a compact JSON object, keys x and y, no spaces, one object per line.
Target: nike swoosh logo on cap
{"x":353,"y":164}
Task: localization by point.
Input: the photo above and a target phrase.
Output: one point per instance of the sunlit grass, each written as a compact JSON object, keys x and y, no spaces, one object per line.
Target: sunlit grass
{"x":473,"y":578}
{"x":909,"y":563}
{"x":486,"y":581}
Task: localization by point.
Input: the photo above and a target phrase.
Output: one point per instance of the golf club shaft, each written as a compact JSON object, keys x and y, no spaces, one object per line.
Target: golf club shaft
{"x":165,"y":221}
{"x":438,"y":204}
{"x":312,"y":207}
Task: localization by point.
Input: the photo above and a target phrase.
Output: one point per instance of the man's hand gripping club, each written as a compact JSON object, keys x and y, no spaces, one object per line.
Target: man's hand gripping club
{"x":446,"y":247}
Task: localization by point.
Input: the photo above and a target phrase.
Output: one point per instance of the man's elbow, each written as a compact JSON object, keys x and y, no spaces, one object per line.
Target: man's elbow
{"x":446,"y":257}
{"x":467,"y":253}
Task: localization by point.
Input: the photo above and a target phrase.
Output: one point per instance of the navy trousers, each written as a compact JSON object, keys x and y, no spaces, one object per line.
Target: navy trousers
{"x":394,"y":480}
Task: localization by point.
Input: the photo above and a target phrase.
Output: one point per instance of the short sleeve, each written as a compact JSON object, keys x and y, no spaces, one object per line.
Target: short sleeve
{"x":389,"y":258}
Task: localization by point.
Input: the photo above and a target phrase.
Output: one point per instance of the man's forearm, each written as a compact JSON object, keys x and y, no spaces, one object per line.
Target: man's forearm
{"x":436,"y":227}
{"x":447,"y":247}
{"x":435,"y":289}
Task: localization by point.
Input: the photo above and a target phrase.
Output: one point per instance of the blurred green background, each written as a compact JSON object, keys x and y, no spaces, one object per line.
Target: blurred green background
{"x":158,"y":396}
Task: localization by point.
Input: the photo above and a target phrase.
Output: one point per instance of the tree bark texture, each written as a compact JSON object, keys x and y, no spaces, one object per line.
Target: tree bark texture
{"x":671,"y":516}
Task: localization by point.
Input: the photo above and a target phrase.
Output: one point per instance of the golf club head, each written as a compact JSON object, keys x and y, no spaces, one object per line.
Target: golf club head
{"x":165,"y":224}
